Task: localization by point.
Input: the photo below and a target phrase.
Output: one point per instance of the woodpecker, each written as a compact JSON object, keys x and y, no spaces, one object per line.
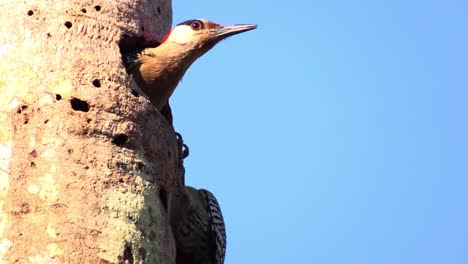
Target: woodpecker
{"x":198,"y":227}
{"x":157,"y":71}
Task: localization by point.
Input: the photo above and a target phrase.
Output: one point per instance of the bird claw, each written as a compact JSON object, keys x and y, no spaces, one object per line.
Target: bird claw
{"x":182,"y":148}
{"x":185,"y":151}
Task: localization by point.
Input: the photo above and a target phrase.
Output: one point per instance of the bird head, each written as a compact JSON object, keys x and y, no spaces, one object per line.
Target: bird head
{"x":158,"y":70}
{"x":201,"y":35}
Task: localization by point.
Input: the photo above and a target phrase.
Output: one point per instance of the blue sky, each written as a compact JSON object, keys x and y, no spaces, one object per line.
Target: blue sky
{"x":334,"y":133}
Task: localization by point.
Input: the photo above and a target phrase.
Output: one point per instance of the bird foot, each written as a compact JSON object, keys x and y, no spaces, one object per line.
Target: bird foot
{"x":183,"y":148}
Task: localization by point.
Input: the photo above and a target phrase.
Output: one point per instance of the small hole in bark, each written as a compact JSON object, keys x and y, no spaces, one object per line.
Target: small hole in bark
{"x":121,"y":180}
{"x":83,"y":10}
{"x":142,"y":252}
{"x":86,"y":167}
{"x":24,"y":107}
{"x":169,"y":154}
{"x":120,"y":140}
{"x":49,"y":35}
{"x":70,"y":151}
{"x":33,"y":153}
{"x":163,"y":198}
{"x":142,"y":28}
{"x":98,"y":8}
{"x":46,"y":121}
{"x":135,"y":93}
{"x":152,"y":236}
{"x":68,"y":24}
{"x":58,"y":206}
{"x":33,"y":164}
{"x":97,"y":83}
{"x":127,"y":254}
{"x":30,"y":13}
{"x":58,"y":97}
{"x":26,"y":120}
{"x":79,"y":105}
{"x":142,"y":231}
{"x":141,"y":166}
{"x":159,"y":10}
{"x":88,"y":120}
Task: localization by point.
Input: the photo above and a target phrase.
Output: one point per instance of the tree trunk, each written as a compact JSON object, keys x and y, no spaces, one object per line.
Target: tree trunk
{"x":86,"y":162}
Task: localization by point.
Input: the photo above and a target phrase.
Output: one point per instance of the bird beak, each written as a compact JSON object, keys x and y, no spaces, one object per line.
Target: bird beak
{"x":227,"y":31}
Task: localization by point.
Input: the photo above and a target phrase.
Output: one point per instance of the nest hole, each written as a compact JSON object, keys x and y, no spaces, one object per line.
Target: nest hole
{"x":30,"y":13}
{"x":131,"y":45}
{"x":97,"y":8}
{"x":68,"y":24}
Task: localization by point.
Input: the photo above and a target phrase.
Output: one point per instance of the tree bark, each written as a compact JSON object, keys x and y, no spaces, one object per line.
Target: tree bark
{"x":86,"y":162}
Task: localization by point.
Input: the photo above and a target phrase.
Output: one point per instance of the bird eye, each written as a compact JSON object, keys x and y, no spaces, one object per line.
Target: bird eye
{"x":196,"y":25}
